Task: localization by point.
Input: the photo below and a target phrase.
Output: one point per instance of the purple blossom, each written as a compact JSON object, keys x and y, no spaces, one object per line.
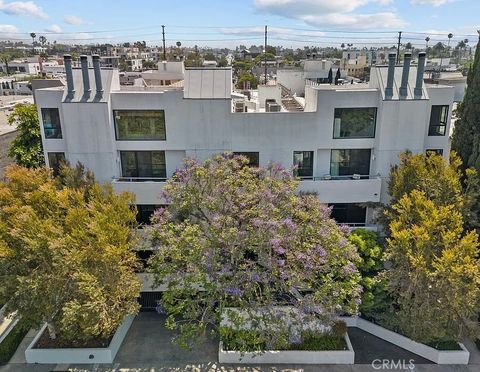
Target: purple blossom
{"x":281,"y":263}
{"x":288,"y":223}
{"x":233,"y":291}
{"x":321,"y":251}
{"x":358,"y":300}
{"x":295,"y":338}
{"x":257,"y":222}
{"x":275,"y":242}
{"x":255,"y":277}
{"x":346,"y":229}
{"x":350,"y":268}
{"x":280,"y":250}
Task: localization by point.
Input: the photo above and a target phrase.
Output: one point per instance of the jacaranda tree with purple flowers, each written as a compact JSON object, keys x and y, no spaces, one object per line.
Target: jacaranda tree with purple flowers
{"x":235,"y":236}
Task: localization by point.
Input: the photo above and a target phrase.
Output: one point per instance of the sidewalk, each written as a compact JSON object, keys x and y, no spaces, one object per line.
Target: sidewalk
{"x":148,"y":348}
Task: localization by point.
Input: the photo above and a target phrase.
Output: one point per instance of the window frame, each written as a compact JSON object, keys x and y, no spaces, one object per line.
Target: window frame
{"x":349,"y":207}
{"x":136,"y":160}
{"x":56,"y":169}
{"x":312,"y":155}
{"x":440,"y":125}
{"x":350,"y":175}
{"x":355,"y":108}
{"x":138,"y":139}
{"x":42,"y":111}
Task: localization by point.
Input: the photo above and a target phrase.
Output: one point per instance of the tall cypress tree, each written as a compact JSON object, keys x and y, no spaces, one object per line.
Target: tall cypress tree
{"x":466,"y":135}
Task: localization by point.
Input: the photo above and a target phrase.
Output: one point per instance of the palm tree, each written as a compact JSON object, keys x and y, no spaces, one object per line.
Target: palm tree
{"x":43,"y":40}
{"x":427,"y":39}
{"x":5,"y":58}
{"x":33,"y":35}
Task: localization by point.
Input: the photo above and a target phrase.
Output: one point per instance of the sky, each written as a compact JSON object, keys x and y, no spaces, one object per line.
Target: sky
{"x":227,"y":23}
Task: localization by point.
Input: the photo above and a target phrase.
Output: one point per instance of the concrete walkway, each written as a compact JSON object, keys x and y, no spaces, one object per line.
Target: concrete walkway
{"x":148,"y":348}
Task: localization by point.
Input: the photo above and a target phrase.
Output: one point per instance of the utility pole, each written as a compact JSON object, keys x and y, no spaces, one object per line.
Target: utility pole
{"x":398,"y":46}
{"x":163,"y":38}
{"x":265,"y":55}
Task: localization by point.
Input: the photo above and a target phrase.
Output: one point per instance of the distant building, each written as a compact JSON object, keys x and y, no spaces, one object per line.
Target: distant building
{"x":315,"y":70}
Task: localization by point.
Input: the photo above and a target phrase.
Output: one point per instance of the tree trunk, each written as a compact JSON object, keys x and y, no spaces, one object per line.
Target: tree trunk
{"x":51,"y":330}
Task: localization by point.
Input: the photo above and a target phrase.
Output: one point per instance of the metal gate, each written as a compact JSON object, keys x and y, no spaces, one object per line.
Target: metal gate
{"x":148,"y":300}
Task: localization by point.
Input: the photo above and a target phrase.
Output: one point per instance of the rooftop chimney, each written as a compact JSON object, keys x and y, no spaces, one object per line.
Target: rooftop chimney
{"x":67,"y":61}
{"x":86,"y":80}
{"x":420,"y":70}
{"x":98,"y":74}
{"x":390,"y":75}
{"x":406,"y":70}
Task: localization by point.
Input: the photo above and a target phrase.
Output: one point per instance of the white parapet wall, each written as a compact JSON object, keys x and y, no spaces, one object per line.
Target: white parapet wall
{"x":7,"y":323}
{"x":289,"y":356}
{"x":78,"y":355}
{"x":438,"y":356}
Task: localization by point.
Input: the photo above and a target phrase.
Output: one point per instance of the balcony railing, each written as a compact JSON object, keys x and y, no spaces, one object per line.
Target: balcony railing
{"x":140,"y":179}
{"x":328,"y":177}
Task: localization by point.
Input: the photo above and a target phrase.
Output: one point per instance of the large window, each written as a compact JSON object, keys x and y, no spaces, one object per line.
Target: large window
{"x":140,"y":124}
{"x":51,"y":123}
{"x":349,"y":162}
{"x":55,"y":161}
{"x":253,"y":157}
{"x":303,"y":161}
{"x":349,"y":213}
{"x":147,"y":165}
{"x":438,"y":120}
{"x":354,"y":122}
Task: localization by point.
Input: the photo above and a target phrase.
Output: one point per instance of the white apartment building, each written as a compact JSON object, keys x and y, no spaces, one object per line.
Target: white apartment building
{"x":343,"y":141}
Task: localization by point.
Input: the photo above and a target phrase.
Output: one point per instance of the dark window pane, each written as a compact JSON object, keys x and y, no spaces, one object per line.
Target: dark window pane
{"x":349,"y":213}
{"x":354,"y":122}
{"x":303,"y":160}
{"x":143,"y":164}
{"x":253,"y":158}
{"x":438,"y":120}
{"x":140,"y":124}
{"x":56,"y":160}
{"x":51,"y":123}
{"x":145,"y":212}
{"x":349,"y":162}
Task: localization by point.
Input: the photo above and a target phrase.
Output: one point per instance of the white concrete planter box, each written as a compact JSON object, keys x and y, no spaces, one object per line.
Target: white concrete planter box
{"x":438,"y":356}
{"x":7,"y":323}
{"x":289,"y":356}
{"x":78,"y":355}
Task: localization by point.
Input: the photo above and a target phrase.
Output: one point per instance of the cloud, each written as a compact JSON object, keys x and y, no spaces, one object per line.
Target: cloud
{"x":431,"y":2}
{"x":281,"y":31}
{"x":23,"y":8}
{"x":338,"y":13}
{"x":74,"y":20}
{"x":8,"y":31}
{"x":54,"y":28}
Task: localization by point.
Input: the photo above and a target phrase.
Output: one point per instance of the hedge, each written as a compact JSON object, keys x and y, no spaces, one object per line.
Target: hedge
{"x":10,"y":343}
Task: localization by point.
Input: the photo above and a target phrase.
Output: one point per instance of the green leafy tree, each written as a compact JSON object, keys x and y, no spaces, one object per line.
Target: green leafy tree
{"x":466,"y":134}
{"x":247,"y":76}
{"x":376,"y":301}
{"x":441,"y":181}
{"x":240,"y":236}
{"x":66,"y":259}
{"x":26,"y":148}
{"x":434,"y":270}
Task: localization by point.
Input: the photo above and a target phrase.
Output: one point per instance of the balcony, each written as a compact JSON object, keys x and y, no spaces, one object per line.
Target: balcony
{"x":344,"y":189}
{"x":146,"y":190}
